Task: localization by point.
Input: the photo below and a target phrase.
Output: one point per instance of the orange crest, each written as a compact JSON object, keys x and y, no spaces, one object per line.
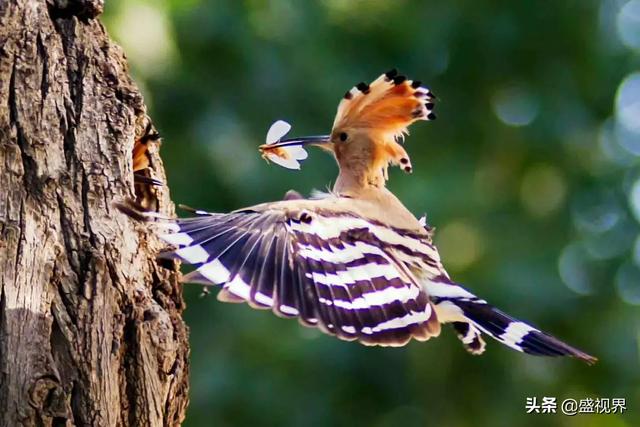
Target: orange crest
{"x":386,"y":107}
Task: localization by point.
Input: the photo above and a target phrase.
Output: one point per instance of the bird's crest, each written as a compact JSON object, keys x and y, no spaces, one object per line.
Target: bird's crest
{"x":385,"y":107}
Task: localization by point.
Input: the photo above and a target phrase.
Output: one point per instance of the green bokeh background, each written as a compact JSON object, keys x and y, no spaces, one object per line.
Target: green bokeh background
{"x":530,"y":175}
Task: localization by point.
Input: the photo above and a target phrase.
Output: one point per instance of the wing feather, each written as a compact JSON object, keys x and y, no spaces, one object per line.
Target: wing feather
{"x":334,"y":272}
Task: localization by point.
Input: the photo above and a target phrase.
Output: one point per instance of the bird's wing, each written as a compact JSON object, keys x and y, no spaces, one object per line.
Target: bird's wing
{"x":335,"y":271}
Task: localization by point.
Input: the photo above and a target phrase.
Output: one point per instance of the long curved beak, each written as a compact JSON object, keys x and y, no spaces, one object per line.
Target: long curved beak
{"x":300,"y":141}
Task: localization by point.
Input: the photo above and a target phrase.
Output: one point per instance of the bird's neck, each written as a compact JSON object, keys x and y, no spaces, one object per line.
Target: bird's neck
{"x":355,"y":180}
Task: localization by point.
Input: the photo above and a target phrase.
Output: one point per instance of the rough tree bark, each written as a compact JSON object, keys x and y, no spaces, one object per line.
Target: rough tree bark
{"x":90,"y":326}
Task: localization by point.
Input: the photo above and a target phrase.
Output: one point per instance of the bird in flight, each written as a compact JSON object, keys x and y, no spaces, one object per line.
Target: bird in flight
{"x":353,"y":262}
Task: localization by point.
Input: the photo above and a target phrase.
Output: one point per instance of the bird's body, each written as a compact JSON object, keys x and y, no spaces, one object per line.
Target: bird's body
{"x":376,"y":204}
{"x":355,"y":263}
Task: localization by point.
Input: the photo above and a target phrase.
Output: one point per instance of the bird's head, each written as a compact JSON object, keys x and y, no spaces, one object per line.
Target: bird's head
{"x":370,"y":124}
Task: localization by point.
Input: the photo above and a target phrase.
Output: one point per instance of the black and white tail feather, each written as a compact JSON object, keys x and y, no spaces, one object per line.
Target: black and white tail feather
{"x":350,"y":277}
{"x":472,"y":316}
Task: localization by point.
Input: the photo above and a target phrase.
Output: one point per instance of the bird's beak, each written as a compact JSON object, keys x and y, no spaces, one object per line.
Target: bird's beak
{"x":300,"y":141}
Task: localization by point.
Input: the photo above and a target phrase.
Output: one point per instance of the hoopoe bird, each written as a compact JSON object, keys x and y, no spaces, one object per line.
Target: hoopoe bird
{"x":354,"y":263}
{"x":141,"y":157}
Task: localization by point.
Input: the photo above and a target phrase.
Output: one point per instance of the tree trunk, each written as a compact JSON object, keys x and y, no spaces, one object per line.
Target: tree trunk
{"x":90,"y":326}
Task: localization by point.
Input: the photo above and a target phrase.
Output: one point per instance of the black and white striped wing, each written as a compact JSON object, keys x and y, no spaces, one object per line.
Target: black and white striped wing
{"x":321,"y":269}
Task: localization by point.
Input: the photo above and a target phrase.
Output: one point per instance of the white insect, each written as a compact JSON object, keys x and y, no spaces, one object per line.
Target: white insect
{"x":286,"y":156}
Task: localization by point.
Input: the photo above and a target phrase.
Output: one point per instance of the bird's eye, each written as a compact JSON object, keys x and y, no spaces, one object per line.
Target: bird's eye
{"x":343,"y":136}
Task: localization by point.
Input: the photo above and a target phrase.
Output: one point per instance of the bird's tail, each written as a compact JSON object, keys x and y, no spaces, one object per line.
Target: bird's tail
{"x":472,"y":316}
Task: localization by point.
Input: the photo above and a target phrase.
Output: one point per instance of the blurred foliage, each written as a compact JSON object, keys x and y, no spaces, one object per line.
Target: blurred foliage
{"x":530,"y":174}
